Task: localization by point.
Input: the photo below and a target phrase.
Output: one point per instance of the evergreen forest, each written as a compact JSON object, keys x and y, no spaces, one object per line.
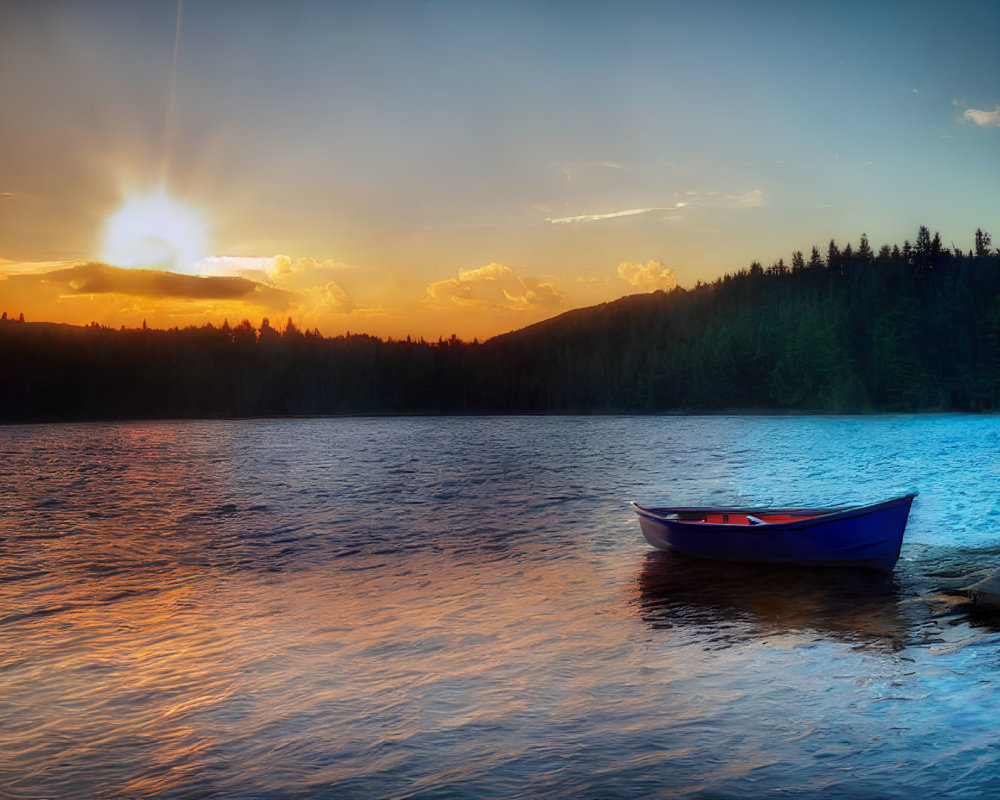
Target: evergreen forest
{"x":907,"y":328}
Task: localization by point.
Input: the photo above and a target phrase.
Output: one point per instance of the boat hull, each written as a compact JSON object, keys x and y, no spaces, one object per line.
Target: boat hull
{"x":868,"y":537}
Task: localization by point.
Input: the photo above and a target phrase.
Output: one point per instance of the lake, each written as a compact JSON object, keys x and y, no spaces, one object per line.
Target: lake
{"x":464,"y":607}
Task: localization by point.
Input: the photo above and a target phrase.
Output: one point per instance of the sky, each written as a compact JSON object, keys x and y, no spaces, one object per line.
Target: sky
{"x":437,"y":168}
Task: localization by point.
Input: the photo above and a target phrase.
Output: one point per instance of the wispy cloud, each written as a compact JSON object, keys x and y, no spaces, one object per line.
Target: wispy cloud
{"x":984,"y":119}
{"x":752,"y":199}
{"x":631,"y":212}
{"x":571,"y":168}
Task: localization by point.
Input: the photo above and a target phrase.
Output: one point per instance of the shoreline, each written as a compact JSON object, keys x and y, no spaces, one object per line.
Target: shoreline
{"x":728,"y":412}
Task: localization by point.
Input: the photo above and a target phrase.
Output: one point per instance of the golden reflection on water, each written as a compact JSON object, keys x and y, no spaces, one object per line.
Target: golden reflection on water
{"x":155,"y":674}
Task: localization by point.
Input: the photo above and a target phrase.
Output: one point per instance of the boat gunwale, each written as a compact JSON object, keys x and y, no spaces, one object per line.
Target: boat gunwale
{"x":821,"y":515}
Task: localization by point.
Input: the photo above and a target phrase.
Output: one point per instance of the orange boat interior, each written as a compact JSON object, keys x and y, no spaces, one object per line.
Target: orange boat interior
{"x":719,"y":518}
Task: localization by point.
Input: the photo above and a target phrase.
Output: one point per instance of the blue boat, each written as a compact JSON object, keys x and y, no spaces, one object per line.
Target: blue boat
{"x":858,"y":536}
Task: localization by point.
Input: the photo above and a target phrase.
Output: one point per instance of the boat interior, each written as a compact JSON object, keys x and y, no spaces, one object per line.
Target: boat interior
{"x":738,"y":518}
{"x":735,"y":516}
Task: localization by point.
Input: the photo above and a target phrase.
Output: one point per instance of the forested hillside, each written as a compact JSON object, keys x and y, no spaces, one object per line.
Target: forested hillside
{"x":907,"y":328}
{"x":915,"y":327}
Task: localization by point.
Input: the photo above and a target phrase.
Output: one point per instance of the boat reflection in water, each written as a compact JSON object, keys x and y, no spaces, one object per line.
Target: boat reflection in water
{"x":736,"y":601}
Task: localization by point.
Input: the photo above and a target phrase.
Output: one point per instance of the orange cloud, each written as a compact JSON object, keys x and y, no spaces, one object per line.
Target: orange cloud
{"x":648,"y":277}
{"x":496,"y":287}
{"x":316,"y":284}
{"x":10,"y":267}
{"x":96,"y":278}
{"x":305,"y":272}
{"x":308,"y":282}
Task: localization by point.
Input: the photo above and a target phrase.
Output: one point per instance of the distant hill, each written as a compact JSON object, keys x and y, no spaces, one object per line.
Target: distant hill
{"x":915,"y":327}
{"x":907,"y":328}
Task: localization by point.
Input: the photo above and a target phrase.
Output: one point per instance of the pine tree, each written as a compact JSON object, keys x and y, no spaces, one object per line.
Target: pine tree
{"x":864,"y":249}
{"x":983,"y":242}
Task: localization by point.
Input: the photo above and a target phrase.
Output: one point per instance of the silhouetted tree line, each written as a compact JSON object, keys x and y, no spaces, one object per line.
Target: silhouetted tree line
{"x":908,"y":328}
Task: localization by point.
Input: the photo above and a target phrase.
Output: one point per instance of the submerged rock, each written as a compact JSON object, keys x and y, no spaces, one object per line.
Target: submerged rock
{"x":985,"y":594}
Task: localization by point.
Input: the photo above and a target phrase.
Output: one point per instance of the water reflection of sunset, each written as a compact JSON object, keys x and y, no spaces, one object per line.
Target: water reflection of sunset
{"x":197,"y":667}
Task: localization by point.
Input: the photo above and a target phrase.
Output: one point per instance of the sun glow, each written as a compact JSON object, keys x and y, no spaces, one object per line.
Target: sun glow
{"x":155,"y":231}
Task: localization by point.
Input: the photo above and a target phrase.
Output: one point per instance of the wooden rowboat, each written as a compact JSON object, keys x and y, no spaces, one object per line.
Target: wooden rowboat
{"x":858,"y":536}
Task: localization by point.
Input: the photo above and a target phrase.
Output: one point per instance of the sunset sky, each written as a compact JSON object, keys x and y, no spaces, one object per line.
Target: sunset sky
{"x":440,"y":167}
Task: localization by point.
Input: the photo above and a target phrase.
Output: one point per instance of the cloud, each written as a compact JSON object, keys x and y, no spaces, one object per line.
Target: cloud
{"x":316,"y":302}
{"x":710,"y":199}
{"x":493,"y":287}
{"x":984,"y":119}
{"x":752,"y":199}
{"x":316,"y":282}
{"x":309,"y":282}
{"x":631,"y":212}
{"x":335,"y":299}
{"x":246,"y":266}
{"x":273,"y":269}
{"x":571,"y":168}
{"x":648,"y":277}
{"x":9,"y":267}
{"x":97,"y":278}
{"x":310,"y":274}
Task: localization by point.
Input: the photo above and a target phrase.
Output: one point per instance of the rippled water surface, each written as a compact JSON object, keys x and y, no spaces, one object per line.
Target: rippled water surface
{"x":464,"y":607}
